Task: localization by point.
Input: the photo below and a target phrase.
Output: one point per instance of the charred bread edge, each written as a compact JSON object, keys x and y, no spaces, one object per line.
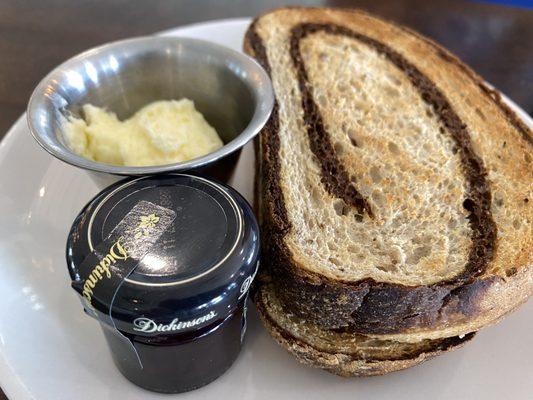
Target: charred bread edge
{"x":367,"y":305}
{"x":346,"y":364}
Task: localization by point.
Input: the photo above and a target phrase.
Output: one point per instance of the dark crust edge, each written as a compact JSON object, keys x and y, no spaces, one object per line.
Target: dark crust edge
{"x":345,"y":364}
{"x":389,"y":308}
{"x":267,"y":157}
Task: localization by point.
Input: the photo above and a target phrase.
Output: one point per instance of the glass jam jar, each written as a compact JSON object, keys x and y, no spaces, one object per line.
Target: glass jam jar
{"x":164,"y":263}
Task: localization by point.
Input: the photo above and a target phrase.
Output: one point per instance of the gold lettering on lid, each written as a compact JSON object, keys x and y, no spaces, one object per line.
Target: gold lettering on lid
{"x":117,"y":252}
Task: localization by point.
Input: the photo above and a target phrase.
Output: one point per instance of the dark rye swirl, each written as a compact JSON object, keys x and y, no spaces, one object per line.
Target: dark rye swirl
{"x":394,"y":188}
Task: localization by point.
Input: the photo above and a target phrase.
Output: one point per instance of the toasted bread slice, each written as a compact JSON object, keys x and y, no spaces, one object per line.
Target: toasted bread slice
{"x":343,"y":353}
{"x":394,"y":187}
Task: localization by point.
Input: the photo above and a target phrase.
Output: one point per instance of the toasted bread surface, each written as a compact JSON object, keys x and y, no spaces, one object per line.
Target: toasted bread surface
{"x":394,"y":188}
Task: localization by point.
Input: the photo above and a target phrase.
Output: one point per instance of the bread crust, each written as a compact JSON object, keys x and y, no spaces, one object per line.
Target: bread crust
{"x":369,"y":307}
{"x":347,"y":365}
{"x":398,"y":312}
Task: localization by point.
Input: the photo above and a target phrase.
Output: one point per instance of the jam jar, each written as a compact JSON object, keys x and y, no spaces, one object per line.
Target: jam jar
{"x":164,"y":264}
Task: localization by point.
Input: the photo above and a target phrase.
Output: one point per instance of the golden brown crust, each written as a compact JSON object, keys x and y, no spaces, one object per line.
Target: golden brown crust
{"x":368,"y":306}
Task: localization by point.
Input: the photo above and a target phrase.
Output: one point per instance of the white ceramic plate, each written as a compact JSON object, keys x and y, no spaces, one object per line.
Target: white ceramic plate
{"x":50,"y":350}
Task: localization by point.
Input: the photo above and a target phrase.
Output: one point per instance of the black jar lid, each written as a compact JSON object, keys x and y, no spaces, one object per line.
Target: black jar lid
{"x":192,"y":247}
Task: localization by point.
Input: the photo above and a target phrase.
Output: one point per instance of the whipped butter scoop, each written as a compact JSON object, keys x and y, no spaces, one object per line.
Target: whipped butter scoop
{"x":162,"y":132}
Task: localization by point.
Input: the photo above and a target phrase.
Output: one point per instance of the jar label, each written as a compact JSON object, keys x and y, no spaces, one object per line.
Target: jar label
{"x":147,"y":325}
{"x":103,"y":271}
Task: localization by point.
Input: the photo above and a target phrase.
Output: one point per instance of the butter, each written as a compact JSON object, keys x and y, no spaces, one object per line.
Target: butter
{"x":162,"y":132}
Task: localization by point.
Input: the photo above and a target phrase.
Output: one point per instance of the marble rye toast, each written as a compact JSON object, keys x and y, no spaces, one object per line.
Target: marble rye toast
{"x":394,"y":187}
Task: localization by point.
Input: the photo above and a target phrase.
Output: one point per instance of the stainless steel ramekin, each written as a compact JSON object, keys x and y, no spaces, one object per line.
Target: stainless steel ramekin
{"x":230,"y":89}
